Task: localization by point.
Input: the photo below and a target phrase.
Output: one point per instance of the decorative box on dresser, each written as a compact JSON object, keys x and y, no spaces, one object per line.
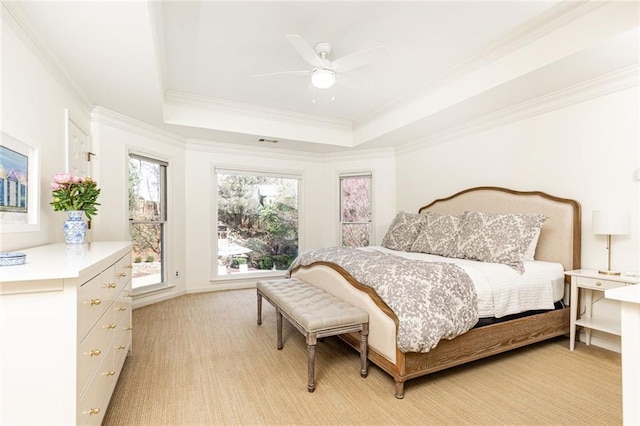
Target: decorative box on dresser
{"x":65,"y":332}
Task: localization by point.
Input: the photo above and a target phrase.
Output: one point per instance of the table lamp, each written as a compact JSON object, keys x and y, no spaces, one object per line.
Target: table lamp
{"x":610,"y":222}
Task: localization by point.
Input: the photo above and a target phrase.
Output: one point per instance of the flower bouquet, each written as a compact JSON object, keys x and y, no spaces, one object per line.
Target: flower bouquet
{"x":74,"y":193}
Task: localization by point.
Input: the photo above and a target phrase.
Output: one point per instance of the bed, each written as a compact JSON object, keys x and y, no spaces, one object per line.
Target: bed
{"x":558,"y":242}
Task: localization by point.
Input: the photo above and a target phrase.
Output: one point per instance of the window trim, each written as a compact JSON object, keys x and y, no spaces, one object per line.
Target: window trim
{"x":246,"y":171}
{"x":164,"y":220}
{"x":351,"y":174}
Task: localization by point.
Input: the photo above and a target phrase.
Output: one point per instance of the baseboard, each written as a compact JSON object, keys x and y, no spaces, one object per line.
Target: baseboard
{"x":602,"y":340}
{"x":160,"y":296}
{"x":229,"y":285}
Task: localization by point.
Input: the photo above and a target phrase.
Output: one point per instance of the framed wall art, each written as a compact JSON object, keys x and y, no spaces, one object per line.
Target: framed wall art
{"x":19,"y":178}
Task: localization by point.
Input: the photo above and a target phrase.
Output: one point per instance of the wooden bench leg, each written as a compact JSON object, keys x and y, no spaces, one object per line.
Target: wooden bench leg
{"x":364,"y":333}
{"x":279,"y":327}
{"x":259,"y":307}
{"x":311,"y":361}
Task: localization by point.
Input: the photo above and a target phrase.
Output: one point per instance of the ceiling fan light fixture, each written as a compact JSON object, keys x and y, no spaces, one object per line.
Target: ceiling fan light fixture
{"x":323,"y":78}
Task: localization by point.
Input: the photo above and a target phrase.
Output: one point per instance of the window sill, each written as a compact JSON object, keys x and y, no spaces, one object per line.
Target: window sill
{"x":245,"y":276}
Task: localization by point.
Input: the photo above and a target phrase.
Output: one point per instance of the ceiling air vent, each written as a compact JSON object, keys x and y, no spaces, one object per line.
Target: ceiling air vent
{"x":265,"y":140}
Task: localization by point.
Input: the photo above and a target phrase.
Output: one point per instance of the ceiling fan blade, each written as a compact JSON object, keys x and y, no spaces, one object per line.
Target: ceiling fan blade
{"x":305,"y":72}
{"x":359,"y":59}
{"x":305,"y":50}
{"x":351,"y":83}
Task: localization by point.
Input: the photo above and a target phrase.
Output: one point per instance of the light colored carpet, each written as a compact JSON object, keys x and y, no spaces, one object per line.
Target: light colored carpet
{"x":201,"y":359}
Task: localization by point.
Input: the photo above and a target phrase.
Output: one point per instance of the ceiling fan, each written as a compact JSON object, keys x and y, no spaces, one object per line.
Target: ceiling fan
{"x":324,"y":72}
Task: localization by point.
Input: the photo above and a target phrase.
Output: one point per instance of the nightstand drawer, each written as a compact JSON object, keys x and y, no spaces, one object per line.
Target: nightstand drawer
{"x":598,"y":284}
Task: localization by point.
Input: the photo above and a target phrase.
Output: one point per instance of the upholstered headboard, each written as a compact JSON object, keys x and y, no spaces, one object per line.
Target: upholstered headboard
{"x":560,"y":235}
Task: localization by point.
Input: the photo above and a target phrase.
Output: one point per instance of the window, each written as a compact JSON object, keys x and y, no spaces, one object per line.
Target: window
{"x":257,"y":221}
{"x":148,"y":218}
{"x":355,"y":209}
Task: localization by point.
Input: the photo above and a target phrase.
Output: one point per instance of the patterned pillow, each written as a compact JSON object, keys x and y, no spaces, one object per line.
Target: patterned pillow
{"x":403,"y":231}
{"x":439,"y":235}
{"x":498,"y":238}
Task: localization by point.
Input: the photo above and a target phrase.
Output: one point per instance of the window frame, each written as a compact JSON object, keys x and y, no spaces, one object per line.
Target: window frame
{"x":163,"y":222}
{"x":353,"y":174}
{"x":246,"y":171}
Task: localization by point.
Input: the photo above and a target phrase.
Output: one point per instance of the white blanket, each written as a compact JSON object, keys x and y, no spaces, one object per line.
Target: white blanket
{"x":501,"y":290}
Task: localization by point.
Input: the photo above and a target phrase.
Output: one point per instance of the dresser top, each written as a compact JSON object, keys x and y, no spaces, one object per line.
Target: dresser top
{"x":629,"y":294}
{"x":59,"y":261}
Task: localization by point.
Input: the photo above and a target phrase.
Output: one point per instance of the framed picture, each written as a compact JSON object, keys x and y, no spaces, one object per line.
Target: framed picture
{"x":19,"y":196}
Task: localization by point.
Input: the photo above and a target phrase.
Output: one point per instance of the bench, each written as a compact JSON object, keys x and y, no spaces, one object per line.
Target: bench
{"x":316,"y":314}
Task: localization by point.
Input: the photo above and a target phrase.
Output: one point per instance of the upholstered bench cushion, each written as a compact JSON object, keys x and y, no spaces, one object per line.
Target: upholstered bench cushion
{"x":312,"y":307}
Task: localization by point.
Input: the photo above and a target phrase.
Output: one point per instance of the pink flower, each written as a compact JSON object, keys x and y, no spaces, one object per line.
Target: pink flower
{"x":76,"y":179}
{"x":62,"y":178}
{"x":56,"y":186}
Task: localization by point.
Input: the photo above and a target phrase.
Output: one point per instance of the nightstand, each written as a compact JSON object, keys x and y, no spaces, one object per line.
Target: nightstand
{"x":590,"y":281}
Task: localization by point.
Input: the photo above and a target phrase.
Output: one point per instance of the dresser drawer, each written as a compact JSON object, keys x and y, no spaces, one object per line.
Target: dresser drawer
{"x":123,"y":270}
{"x":123,"y":332}
{"x":121,"y":346}
{"x":122,"y":304}
{"x":93,"y":349}
{"x":94,"y":298}
{"x":93,"y":403}
{"x":597,"y":284}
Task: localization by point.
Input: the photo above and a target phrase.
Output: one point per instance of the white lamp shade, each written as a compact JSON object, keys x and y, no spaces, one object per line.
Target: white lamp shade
{"x":323,"y":78}
{"x":610,"y":222}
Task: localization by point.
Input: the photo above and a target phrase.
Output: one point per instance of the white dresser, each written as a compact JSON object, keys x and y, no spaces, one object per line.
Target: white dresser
{"x":65,"y":332}
{"x":629,"y":298}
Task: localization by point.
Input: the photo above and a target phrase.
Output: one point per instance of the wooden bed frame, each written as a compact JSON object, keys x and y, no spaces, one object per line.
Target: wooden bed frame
{"x":559,"y":242}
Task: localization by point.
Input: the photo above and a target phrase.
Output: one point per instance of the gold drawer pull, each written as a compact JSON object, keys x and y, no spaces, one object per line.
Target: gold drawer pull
{"x":128,"y":329}
{"x":129,"y":266}
{"x":598,"y":283}
{"x":109,"y":373}
{"x":110,"y":285}
{"x":92,"y":411}
{"x":94,"y":352}
{"x":110,"y":326}
{"x":95,"y":302}
{"x":120,"y":347}
{"x":122,"y":308}
{"x":122,"y":274}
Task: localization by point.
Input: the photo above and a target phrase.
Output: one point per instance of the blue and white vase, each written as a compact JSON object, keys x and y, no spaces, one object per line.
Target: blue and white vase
{"x":75,"y":227}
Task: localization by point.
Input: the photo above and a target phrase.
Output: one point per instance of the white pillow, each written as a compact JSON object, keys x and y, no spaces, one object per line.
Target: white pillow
{"x":531,"y":250}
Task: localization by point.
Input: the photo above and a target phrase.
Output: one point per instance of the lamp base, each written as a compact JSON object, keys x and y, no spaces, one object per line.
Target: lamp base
{"x":609,"y":272}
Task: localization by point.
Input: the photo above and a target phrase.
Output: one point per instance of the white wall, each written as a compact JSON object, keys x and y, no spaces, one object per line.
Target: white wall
{"x":33,"y":100}
{"x":588,"y":151}
{"x":319,"y":198}
{"x":114,"y":136}
{"x":382,"y":165}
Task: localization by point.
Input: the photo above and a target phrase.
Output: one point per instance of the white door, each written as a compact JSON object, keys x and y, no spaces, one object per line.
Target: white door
{"x":78,"y":150}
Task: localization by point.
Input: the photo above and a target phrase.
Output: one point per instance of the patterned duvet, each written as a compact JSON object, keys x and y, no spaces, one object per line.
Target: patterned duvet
{"x":432,"y":300}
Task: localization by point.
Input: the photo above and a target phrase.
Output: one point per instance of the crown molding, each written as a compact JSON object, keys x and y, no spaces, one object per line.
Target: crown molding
{"x":552,"y":19}
{"x":362,"y":154}
{"x":226,"y":107}
{"x":107,"y":117}
{"x":200,"y":145}
{"x":15,"y":17}
{"x":624,"y":78}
